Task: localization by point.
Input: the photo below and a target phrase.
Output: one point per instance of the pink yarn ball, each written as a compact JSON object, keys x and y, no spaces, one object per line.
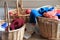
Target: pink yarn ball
{"x":28,"y":11}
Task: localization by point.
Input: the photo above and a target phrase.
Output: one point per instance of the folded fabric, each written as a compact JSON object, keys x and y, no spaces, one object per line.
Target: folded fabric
{"x":55,"y":17}
{"x":42,"y":10}
{"x":58,"y":14}
{"x":51,"y":8}
{"x":45,"y":9}
{"x":34,"y":13}
{"x":1,"y":29}
{"x":4,"y":25}
{"x":50,"y":13}
{"x":58,"y":11}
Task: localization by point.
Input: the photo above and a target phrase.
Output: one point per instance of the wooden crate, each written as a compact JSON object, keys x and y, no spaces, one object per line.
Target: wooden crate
{"x":49,"y":28}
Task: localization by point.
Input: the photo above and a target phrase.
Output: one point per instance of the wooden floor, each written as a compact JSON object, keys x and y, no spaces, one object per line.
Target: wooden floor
{"x":36,"y":37}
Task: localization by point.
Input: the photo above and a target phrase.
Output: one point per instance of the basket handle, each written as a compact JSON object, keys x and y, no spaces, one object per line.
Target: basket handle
{"x":7,"y":18}
{"x":19,"y":7}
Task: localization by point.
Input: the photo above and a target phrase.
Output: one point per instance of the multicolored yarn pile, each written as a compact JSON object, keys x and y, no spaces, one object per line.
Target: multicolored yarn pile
{"x":44,"y":11}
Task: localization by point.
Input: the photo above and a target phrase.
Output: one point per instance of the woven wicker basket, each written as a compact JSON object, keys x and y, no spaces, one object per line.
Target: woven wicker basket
{"x":23,"y":15}
{"x":11,"y":34}
{"x":14,"y":34}
{"x":49,"y":28}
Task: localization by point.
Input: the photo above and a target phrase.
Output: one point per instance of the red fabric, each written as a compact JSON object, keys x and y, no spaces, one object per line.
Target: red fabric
{"x":58,"y":11}
{"x":17,"y":23}
{"x":51,"y":14}
{"x":55,"y":17}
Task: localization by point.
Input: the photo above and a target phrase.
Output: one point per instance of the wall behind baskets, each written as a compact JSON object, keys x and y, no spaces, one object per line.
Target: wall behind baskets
{"x":11,"y":5}
{"x":28,"y":4}
{"x":32,"y":3}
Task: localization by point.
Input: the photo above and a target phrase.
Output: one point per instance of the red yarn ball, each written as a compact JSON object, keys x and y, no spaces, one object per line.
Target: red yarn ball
{"x":17,"y":23}
{"x":11,"y":13}
{"x":28,"y":11}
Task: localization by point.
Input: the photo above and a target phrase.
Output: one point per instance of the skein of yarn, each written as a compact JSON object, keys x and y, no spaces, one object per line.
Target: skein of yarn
{"x":28,"y":11}
{"x":50,"y":13}
{"x":17,"y":23}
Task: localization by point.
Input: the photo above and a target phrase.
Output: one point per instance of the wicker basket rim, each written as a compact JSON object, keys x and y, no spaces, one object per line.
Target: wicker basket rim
{"x":20,"y":14}
{"x":17,"y":29}
{"x":48,"y":18}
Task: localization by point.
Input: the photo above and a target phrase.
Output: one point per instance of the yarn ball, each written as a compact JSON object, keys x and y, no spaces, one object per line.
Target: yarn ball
{"x":17,"y":23}
{"x":11,"y":13}
{"x":28,"y":11}
{"x":50,"y":13}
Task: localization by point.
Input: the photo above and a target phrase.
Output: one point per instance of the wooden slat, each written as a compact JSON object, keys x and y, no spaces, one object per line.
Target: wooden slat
{"x":15,"y":35}
{"x":39,"y":22}
{"x":49,"y":26}
{"x":4,"y":36}
{"x":10,"y":36}
{"x":19,"y":34}
{"x":46,"y":28}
